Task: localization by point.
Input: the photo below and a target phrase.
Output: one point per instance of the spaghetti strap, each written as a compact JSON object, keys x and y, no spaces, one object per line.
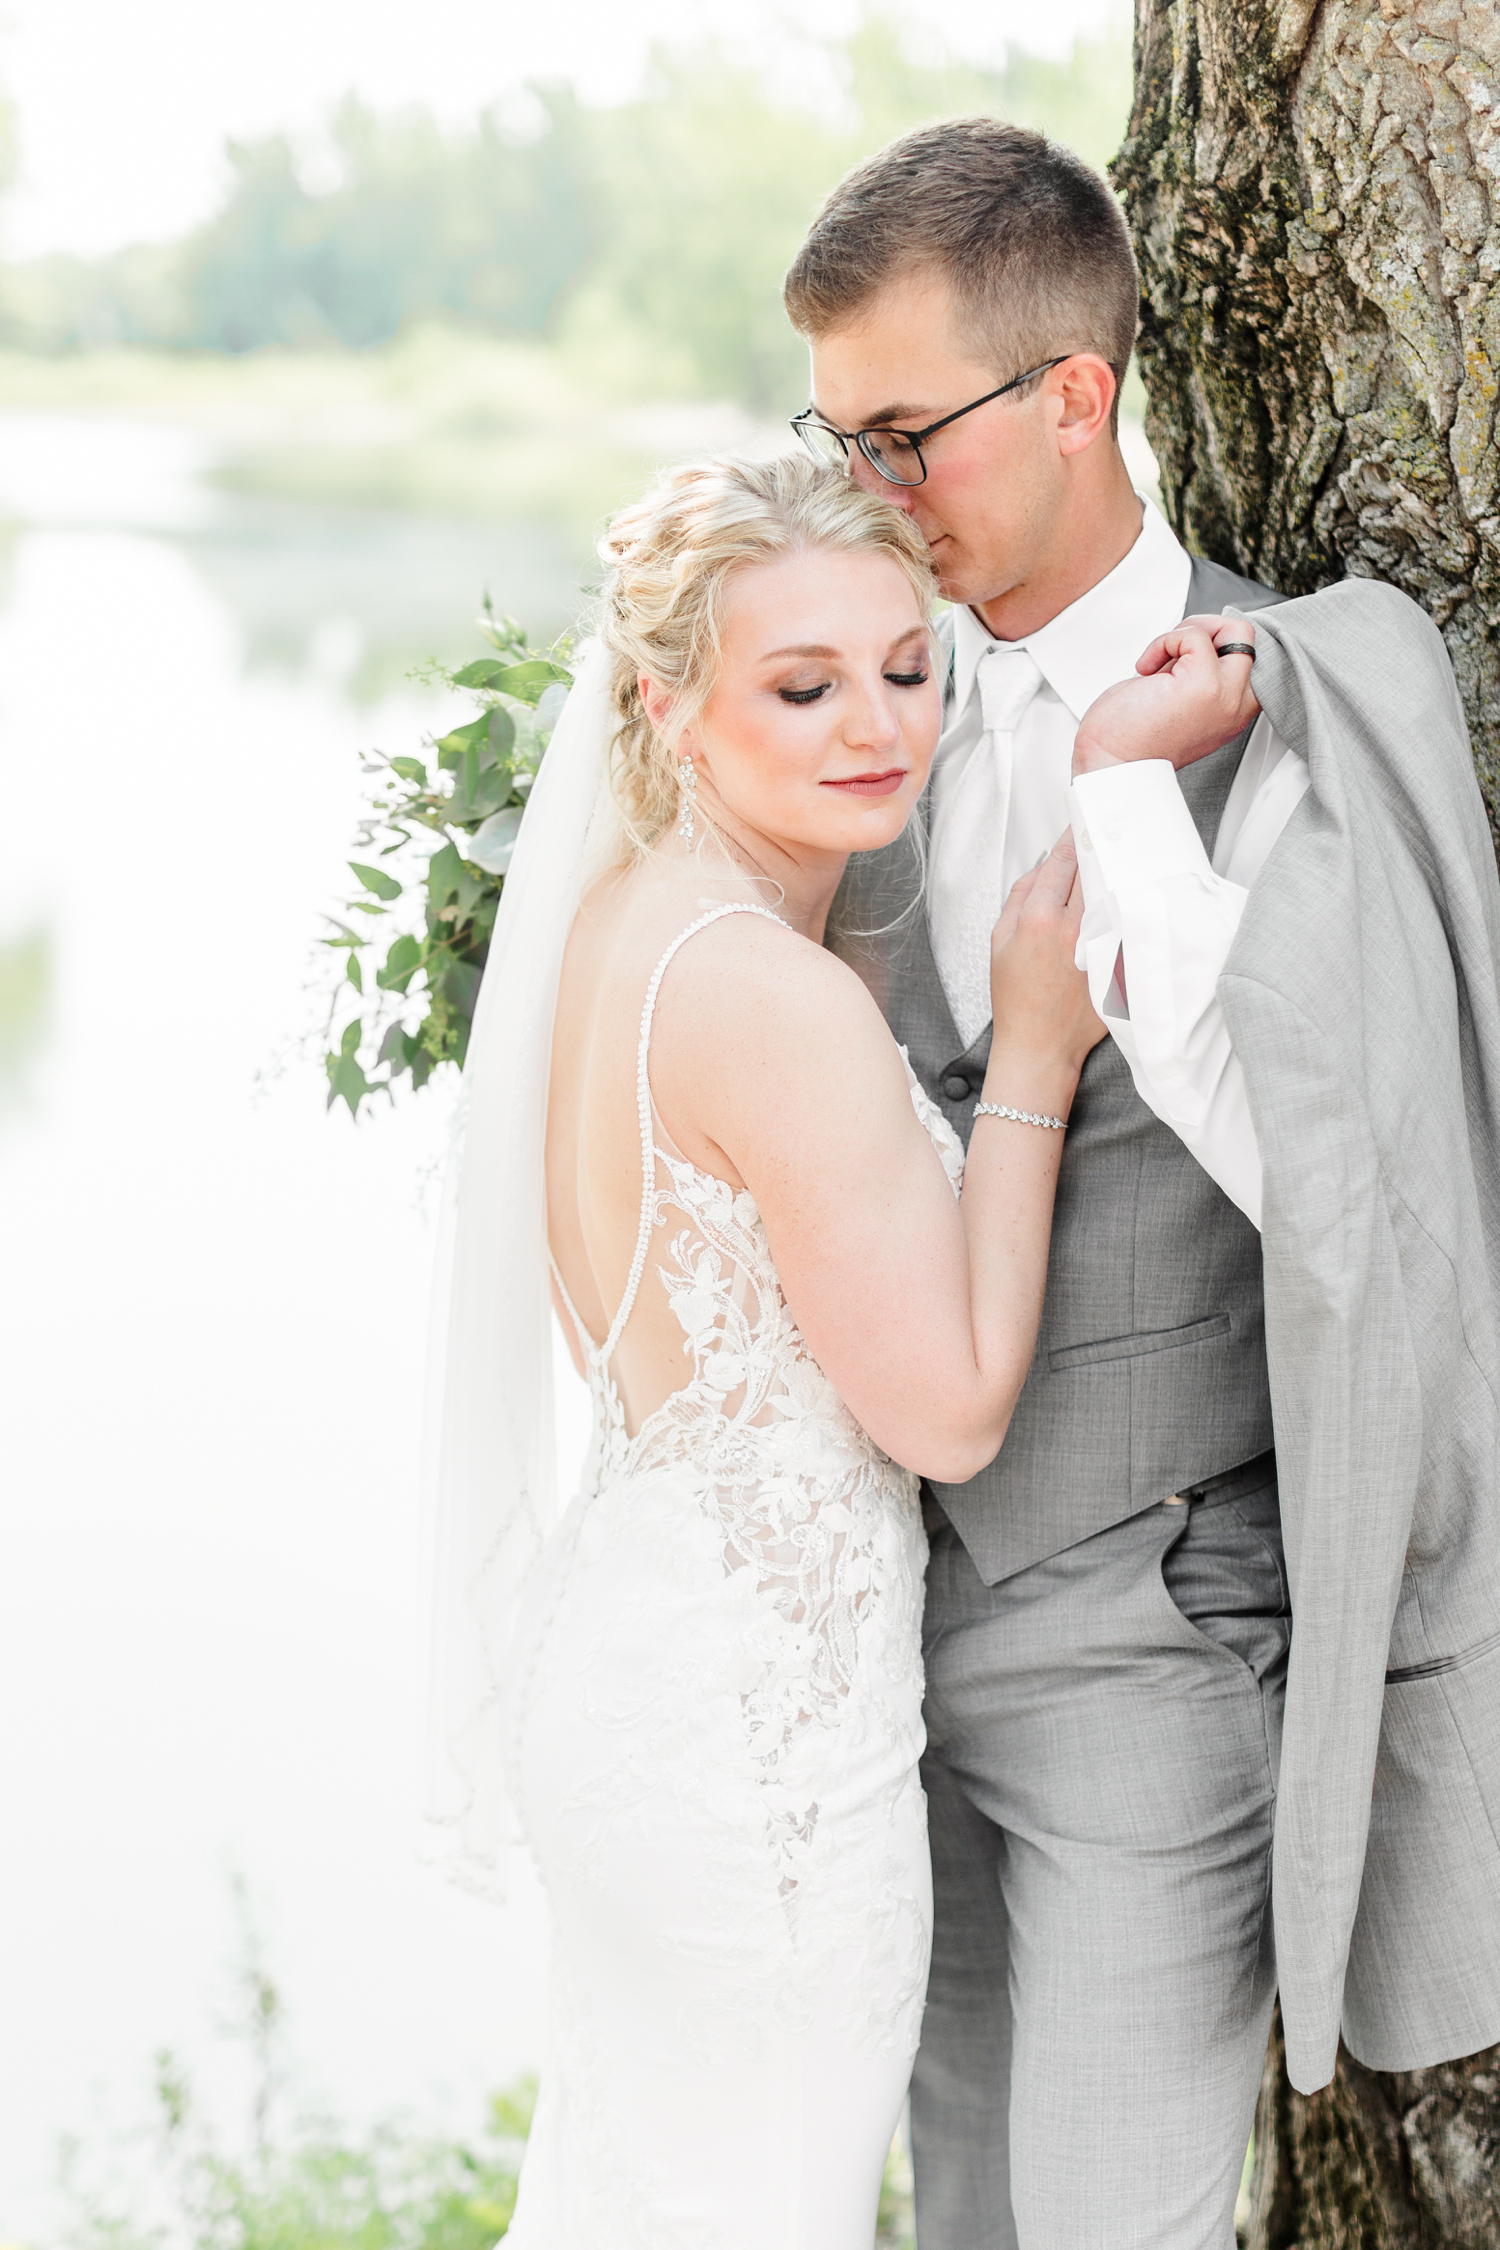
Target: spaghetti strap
{"x":606,"y":1350}
{"x":585,"y":1340}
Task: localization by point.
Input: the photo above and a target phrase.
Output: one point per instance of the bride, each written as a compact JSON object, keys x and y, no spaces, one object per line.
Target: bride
{"x":700,"y":1692}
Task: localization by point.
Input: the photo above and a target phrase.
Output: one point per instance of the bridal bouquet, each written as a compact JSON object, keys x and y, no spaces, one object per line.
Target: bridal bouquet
{"x":415,"y":935}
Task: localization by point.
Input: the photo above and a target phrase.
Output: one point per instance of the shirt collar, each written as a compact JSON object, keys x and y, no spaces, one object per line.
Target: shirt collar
{"x":1095,"y":640}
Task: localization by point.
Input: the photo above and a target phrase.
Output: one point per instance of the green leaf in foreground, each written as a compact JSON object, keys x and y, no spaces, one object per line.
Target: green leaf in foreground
{"x":346,"y":1082}
{"x":375,"y":879}
{"x":445,"y":871}
{"x":401,"y":965}
{"x":524,"y":681}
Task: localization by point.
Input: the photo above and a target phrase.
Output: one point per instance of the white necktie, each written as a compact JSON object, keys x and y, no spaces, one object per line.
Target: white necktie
{"x":967,"y":883}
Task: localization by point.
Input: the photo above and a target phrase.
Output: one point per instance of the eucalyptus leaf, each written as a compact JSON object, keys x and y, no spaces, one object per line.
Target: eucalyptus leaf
{"x":460,"y":981}
{"x":347,"y":1082}
{"x":494,"y":791}
{"x":355,"y":973}
{"x":525,"y":681}
{"x":410,"y":769}
{"x":444,"y":874}
{"x":375,"y":879}
{"x":353,"y":1033}
{"x":549,"y":705}
{"x":493,"y":843}
{"x":452,"y":746}
{"x":401,"y":965}
{"x":482,"y":673}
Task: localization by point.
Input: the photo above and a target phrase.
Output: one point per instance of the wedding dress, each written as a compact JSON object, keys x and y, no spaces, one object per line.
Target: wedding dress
{"x":714,"y":1721}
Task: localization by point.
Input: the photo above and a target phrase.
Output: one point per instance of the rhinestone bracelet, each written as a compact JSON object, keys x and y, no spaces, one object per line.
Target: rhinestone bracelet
{"x":1021,"y":1116}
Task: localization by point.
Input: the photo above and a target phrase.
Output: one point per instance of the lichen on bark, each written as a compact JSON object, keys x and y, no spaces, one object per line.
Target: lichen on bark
{"x":1314,"y":191}
{"x":1379,"y":2160}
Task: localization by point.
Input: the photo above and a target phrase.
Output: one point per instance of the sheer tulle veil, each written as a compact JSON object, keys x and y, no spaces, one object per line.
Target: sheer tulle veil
{"x":490,"y":1472}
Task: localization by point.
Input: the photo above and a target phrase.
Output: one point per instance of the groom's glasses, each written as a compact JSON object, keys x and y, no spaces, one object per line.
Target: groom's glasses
{"x":897,"y":454}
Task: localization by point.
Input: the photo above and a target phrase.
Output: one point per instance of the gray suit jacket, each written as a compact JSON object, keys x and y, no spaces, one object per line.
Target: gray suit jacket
{"x":1363,"y":1000}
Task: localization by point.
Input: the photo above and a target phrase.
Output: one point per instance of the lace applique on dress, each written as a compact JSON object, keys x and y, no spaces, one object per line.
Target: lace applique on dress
{"x":788,"y":1474}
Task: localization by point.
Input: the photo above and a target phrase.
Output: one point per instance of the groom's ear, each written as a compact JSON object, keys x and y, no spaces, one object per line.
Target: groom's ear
{"x":1085,"y":385}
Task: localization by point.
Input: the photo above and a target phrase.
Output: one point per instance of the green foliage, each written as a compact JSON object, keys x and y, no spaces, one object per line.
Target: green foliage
{"x":316,"y":2188}
{"x":482,"y":227}
{"x":650,"y":236}
{"x":321,"y":2188}
{"x":425,"y":924}
{"x":25,"y":987}
{"x":309,"y":2185}
{"x":895,"y":2227}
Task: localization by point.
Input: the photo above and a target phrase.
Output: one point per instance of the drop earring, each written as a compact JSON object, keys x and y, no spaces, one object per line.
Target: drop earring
{"x":687,"y":783}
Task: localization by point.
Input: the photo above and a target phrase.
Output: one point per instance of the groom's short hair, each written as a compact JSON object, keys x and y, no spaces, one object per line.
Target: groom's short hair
{"x":1029,"y":238}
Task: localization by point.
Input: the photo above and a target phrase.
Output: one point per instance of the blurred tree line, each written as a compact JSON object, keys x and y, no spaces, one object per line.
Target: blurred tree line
{"x":649,"y":238}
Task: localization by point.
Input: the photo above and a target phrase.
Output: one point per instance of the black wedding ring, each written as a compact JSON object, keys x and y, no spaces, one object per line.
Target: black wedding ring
{"x":1235,"y":648}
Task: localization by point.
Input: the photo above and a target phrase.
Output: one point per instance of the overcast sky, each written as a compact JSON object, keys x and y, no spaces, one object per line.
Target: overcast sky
{"x":124,"y":109}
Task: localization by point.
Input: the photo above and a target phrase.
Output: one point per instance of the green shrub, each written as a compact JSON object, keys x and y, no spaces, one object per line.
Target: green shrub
{"x":438,"y":915}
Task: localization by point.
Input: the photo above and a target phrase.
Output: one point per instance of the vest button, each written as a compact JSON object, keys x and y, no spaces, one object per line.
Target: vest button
{"x":956,"y":1086}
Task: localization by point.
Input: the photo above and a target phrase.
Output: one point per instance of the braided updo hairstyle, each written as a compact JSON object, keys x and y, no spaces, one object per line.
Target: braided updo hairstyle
{"x":668,"y":557}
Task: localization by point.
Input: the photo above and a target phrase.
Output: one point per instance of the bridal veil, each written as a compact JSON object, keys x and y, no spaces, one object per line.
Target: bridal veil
{"x":490,"y":1449}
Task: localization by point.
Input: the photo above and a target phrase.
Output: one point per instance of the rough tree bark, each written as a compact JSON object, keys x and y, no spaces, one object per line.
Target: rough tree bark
{"x":1314,"y":192}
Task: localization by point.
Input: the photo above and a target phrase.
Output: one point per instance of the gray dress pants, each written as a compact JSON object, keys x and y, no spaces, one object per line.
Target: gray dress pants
{"x":1104,"y":1732}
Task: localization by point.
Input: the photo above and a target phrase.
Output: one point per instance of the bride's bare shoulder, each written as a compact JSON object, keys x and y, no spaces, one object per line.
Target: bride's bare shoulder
{"x":748,"y":991}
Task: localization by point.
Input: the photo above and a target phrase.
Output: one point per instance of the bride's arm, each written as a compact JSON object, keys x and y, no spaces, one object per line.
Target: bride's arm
{"x":923,"y":1312}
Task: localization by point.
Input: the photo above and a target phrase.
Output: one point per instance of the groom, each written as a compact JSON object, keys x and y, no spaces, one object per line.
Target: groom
{"x":1107,"y":1619}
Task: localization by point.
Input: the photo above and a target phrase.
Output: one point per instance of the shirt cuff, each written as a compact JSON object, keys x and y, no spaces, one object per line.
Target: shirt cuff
{"x":1134,"y":821}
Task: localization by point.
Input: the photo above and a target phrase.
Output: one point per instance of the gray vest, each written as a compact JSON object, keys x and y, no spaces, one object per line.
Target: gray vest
{"x":1150,"y":1367}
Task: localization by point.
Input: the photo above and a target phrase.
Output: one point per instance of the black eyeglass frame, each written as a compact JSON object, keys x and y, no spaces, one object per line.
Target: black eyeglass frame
{"x":809,"y":418}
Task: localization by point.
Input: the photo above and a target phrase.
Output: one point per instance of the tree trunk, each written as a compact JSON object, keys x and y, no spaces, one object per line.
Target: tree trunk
{"x":1314,"y":191}
{"x":1379,"y":2160}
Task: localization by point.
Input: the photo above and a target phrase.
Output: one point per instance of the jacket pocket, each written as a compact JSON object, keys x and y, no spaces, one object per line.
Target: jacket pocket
{"x":1137,"y":1346}
{"x":1438,"y":1664}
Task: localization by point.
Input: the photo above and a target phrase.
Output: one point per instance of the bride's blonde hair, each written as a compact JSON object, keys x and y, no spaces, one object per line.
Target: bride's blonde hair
{"x":669,"y":556}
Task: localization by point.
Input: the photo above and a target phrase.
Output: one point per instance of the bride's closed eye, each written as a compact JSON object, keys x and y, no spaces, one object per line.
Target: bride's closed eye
{"x":917,"y":677}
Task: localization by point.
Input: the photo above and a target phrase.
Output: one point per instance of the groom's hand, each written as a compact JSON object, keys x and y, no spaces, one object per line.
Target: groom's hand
{"x":1188,"y":700}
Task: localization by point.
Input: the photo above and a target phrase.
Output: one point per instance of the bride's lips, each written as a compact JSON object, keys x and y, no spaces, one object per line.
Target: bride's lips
{"x":870,"y":784}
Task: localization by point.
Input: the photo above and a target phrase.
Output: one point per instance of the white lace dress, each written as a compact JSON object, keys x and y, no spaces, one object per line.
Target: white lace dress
{"x":716,"y":1721}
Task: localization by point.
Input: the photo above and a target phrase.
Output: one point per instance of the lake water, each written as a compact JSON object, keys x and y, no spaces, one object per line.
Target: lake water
{"x":212,"y":1318}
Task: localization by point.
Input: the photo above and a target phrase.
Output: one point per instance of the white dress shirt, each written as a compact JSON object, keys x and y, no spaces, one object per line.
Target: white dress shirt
{"x":1159,"y":915}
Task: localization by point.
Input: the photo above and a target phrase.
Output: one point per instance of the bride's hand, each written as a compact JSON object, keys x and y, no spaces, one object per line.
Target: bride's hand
{"x":1188,"y":701}
{"x":1044,"y":1020}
